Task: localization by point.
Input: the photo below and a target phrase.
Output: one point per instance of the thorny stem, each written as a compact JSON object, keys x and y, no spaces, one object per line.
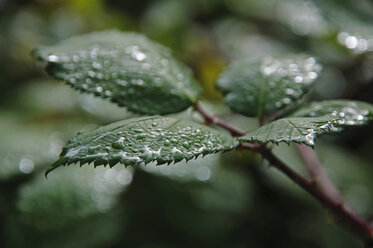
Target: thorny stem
{"x":332,"y":202}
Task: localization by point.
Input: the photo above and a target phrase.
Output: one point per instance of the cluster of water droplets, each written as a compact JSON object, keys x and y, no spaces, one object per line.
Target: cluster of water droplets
{"x":159,"y":139}
{"x":299,"y":130}
{"x":356,"y":43}
{"x":262,"y":87}
{"x":300,"y":69}
{"x":309,"y":135}
{"x":129,"y":70}
{"x":288,"y":78}
{"x":348,"y":113}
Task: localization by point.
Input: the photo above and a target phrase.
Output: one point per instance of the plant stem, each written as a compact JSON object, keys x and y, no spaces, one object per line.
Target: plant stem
{"x":214,"y":120}
{"x":337,"y":207}
{"x":332,"y":202}
{"x":316,"y":170}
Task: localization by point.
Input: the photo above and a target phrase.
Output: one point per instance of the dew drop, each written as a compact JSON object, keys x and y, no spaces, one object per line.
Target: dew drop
{"x":203,"y":173}
{"x":312,"y":75}
{"x":100,"y":75}
{"x":122,"y":82}
{"x":351,"y":42}
{"x":298,"y":79}
{"x":99,"y":89}
{"x":72,"y":80}
{"x":97,"y":65}
{"x":53,"y":58}
{"x":91,"y":73}
{"x":124,"y":177}
{"x":289,"y":91}
{"x":286,"y":100}
{"x":26,"y":165}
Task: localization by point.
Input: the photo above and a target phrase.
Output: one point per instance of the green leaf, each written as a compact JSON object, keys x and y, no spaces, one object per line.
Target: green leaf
{"x":127,"y":68}
{"x":144,"y":140}
{"x":300,"y":130}
{"x":259,"y":88}
{"x":351,"y":113}
{"x":313,"y":120}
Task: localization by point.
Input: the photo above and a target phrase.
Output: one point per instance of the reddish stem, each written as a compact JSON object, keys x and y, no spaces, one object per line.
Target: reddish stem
{"x":318,"y":173}
{"x":356,"y":222}
{"x":333,"y":203}
{"x":214,"y":120}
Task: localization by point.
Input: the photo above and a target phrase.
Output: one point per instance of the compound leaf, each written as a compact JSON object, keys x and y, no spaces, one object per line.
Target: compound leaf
{"x":144,"y":140}
{"x":127,"y":68}
{"x":259,"y":88}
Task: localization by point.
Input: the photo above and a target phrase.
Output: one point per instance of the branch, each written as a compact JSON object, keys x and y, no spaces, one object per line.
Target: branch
{"x":337,"y":207}
{"x":214,"y":120}
{"x":334,"y":203}
{"x":316,"y":170}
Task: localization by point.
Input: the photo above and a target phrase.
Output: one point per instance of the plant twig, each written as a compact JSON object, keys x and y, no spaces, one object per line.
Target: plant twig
{"x":334,"y":204}
{"x":316,"y":170}
{"x":338,"y":208}
{"x":214,"y":120}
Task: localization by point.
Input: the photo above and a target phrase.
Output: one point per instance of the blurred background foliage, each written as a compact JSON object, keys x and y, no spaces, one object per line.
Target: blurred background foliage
{"x":233,"y":200}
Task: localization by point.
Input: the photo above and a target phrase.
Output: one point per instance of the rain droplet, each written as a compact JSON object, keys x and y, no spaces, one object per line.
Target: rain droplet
{"x":298,"y":79}
{"x":26,"y":165}
{"x":53,"y":58}
{"x":97,"y":65}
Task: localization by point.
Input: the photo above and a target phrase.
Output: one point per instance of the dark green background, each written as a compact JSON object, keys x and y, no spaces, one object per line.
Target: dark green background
{"x":233,"y":200}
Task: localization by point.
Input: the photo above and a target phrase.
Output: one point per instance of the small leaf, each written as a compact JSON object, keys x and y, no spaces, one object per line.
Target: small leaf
{"x":351,"y":113}
{"x":144,"y":140}
{"x":127,"y":68}
{"x":260,"y":88}
{"x":313,"y":120}
{"x":300,"y":130}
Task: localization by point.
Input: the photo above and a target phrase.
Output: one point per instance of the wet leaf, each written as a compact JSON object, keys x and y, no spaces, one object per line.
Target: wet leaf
{"x":300,"y":130}
{"x":259,"y":88}
{"x":127,"y":68}
{"x":302,"y":17}
{"x":352,"y":113}
{"x":144,"y":140}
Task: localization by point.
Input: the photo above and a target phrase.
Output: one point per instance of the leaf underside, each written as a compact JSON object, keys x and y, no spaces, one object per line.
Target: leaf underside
{"x":127,"y":68}
{"x":144,"y":140}
{"x":313,"y":120}
{"x":259,"y":88}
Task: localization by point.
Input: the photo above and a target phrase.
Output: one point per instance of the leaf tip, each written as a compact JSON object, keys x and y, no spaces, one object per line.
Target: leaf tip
{"x":53,"y":167}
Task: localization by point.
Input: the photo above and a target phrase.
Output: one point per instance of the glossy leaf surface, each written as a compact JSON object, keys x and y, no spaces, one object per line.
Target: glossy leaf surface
{"x":259,"y":88}
{"x":127,"y":68}
{"x":351,"y":113}
{"x":300,"y":130}
{"x":144,"y":140}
